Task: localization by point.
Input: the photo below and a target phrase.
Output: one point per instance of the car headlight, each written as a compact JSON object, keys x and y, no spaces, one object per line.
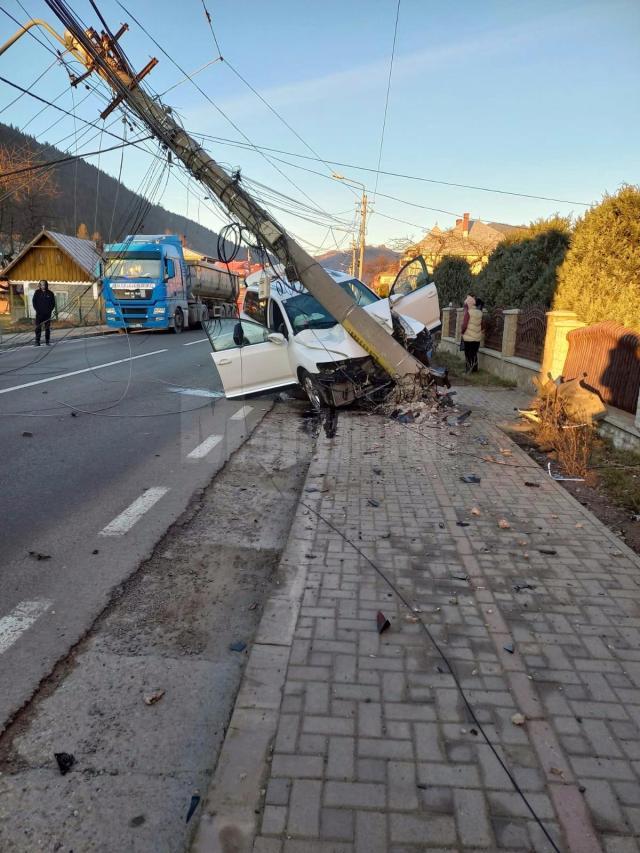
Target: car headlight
{"x":110,"y":311}
{"x":406,"y":328}
{"x":159,"y":310}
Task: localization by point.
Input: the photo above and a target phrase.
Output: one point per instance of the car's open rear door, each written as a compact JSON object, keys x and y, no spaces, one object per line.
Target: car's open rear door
{"x":415,"y":295}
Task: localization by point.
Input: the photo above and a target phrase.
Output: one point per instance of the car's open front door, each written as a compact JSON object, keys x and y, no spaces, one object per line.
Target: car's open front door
{"x":414,"y":294}
{"x":249,"y":357}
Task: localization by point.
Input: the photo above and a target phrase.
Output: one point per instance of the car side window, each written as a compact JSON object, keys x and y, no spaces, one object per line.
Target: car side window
{"x":254,"y":307}
{"x":411,"y":277}
{"x":232,"y":333}
{"x":277,"y":321}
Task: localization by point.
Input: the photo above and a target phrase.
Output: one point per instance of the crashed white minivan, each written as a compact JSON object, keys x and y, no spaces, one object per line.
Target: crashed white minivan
{"x":289,"y":339}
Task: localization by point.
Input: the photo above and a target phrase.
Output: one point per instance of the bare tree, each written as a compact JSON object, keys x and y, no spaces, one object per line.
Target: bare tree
{"x":25,"y":194}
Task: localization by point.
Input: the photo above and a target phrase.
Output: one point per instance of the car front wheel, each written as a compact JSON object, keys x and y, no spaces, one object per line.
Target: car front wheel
{"x":313,"y":390}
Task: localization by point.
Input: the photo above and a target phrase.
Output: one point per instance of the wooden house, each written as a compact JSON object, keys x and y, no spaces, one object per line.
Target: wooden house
{"x":69,"y":264}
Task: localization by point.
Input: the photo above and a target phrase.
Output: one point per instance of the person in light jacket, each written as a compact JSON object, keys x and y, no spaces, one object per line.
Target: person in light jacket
{"x":44,"y":304}
{"x":472,"y":331}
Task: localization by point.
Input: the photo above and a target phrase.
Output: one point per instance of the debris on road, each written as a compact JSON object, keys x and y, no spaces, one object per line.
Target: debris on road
{"x":26,"y":434}
{"x":509,"y":647}
{"x":382,"y":622}
{"x":560,"y":479}
{"x":238,"y":646}
{"x":551,"y":552}
{"x":462,"y":524}
{"x":470,"y":478}
{"x":532,"y":485}
{"x":519,"y":587}
{"x":475,"y":511}
{"x":503,"y":524}
{"x":460,"y":577}
{"x":152,"y":698}
{"x":373,"y":502}
{"x":518,"y":719}
{"x":193,"y":805}
{"x":65,"y":761}
{"x":36,"y":555}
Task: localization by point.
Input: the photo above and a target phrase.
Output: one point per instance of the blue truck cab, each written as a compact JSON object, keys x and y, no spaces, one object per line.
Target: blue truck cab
{"x":145,"y":283}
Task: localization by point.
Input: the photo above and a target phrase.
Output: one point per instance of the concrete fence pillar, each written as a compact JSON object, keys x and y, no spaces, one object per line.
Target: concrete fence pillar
{"x":556,"y":345}
{"x":509,"y":331}
{"x":459,"y":316}
{"x":446,"y":313}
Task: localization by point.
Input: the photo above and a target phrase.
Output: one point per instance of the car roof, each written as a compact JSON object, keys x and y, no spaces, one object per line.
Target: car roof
{"x":286,"y":290}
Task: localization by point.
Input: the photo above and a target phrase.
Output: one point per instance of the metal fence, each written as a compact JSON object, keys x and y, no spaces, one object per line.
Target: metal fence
{"x":493,"y":328}
{"x":607,"y":356}
{"x":530,"y":332}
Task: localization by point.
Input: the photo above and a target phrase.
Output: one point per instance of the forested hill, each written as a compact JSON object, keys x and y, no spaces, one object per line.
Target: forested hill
{"x":23,"y":213}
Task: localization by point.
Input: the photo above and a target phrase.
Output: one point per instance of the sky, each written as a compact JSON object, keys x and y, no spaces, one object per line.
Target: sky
{"x":539,"y":97}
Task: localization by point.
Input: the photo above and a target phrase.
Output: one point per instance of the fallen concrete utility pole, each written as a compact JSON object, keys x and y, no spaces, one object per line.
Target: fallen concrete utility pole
{"x":100,"y":53}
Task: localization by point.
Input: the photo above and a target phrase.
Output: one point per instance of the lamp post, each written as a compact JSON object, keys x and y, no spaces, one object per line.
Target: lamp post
{"x":362,"y":233}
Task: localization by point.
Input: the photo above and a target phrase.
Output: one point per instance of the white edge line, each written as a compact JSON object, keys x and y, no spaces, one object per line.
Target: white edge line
{"x":19,"y":620}
{"x":206,"y":447}
{"x":241,"y":413}
{"x":199,"y":341}
{"x":84,"y":370}
{"x":134,"y":512}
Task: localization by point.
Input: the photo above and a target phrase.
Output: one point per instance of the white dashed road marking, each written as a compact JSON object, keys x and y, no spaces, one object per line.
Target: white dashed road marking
{"x":19,"y":620}
{"x":125,"y":521}
{"x":207,"y":446}
{"x":241,"y":413}
{"x":77,"y":372}
{"x":199,"y":341}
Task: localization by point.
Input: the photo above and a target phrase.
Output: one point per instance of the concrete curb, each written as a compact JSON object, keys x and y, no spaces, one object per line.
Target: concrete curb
{"x":10,"y":345}
{"x":229,"y":815}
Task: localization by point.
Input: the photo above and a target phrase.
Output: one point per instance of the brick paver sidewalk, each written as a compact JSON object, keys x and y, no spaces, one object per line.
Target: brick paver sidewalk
{"x":375,"y":749}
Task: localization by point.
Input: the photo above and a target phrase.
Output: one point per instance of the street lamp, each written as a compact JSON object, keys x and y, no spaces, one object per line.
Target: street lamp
{"x":363,"y":224}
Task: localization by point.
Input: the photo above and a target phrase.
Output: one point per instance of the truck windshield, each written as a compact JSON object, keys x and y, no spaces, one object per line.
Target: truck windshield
{"x":305,"y":312}
{"x":132,"y":268}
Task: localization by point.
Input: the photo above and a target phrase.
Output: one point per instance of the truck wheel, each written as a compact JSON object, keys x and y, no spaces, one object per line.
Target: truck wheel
{"x":313,"y":390}
{"x":178,"y":321}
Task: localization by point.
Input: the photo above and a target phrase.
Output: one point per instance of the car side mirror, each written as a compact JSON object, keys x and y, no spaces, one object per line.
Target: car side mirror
{"x":276,"y":338}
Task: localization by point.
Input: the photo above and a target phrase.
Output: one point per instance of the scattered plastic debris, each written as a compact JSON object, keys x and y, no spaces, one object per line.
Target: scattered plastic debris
{"x":551,"y":552}
{"x":518,"y":719}
{"x":557,"y":772}
{"x":509,"y":647}
{"x":411,"y":619}
{"x":519,"y":587}
{"x":382,"y":622}
{"x":36,"y":555}
{"x":532,"y":485}
{"x":138,"y":820}
{"x":460,"y":577}
{"x":503,"y":524}
{"x":253,"y":605}
{"x":373,"y":502}
{"x":193,"y":805}
{"x":152,"y":698}
{"x":475,"y":511}
{"x":470,"y":478}
{"x":558,"y":478}
{"x":65,"y":761}
{"x":26,"y":434}
{"x":238,"y":646}
{"x":462,"y":524}
{"x":95,"y":551}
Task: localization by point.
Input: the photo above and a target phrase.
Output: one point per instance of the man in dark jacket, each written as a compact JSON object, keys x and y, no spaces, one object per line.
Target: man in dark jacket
{"x":44,"y":304}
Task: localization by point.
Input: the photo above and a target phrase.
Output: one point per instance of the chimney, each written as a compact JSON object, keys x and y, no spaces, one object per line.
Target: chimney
{"x":465,"y":225}
{"x":458,"y":223}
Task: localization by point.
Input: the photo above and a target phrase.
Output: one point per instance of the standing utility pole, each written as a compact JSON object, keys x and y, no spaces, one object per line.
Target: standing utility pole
{"x":101,"y":53}
{"x":363,"y":231}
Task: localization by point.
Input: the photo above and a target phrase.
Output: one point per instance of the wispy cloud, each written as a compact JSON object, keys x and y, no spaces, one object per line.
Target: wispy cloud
{"x":372,"y":76}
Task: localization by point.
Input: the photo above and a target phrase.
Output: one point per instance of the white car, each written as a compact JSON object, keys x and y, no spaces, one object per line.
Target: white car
{"x":290,"y":339}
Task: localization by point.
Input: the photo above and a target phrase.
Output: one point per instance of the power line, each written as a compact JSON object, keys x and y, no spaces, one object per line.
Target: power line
{"x":420,"y":178}
{"x":386,"y":102}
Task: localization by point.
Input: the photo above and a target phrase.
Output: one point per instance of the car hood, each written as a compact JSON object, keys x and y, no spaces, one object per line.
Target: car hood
{"x":336,"y":343}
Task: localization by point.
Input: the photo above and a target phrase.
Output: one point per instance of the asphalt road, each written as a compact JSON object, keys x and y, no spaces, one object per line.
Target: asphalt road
{"x":104,"y":443}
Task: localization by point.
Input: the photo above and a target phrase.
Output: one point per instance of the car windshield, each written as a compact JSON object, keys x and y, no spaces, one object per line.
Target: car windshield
{"x":132,"y":268}
{"x":305,"y":312}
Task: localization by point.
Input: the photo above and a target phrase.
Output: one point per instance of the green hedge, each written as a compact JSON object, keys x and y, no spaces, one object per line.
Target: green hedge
{"x":600,"y":276}
{"x":453,"y":279}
